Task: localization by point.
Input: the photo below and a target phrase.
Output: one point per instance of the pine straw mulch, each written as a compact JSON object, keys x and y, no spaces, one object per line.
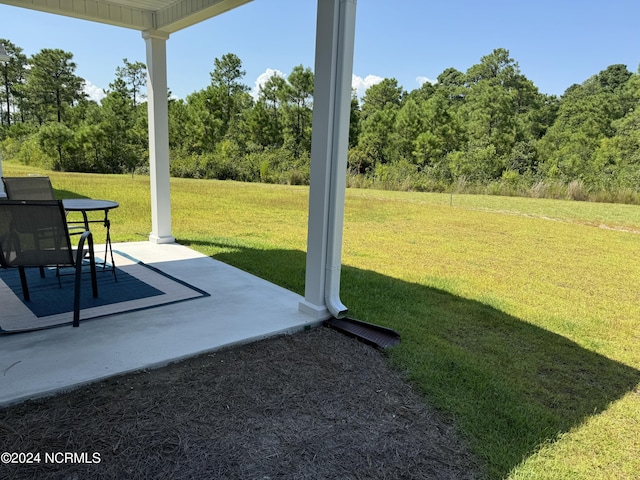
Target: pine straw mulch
{"x":315,"y":405}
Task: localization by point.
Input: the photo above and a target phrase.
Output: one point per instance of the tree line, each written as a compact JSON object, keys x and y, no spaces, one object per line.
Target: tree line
{"x":487,"y":129}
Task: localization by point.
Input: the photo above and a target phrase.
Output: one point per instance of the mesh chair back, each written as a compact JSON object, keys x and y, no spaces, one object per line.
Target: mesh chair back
{"x":28,"y":188}
{"x":34,"y":234}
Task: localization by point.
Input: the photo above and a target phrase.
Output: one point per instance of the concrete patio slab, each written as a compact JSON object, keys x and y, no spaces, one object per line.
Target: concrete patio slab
{"x":241,"y":308}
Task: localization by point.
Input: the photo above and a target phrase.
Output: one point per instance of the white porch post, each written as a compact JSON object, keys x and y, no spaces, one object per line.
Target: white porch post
{"x":335,"y":32}
{"x":158,"y":136}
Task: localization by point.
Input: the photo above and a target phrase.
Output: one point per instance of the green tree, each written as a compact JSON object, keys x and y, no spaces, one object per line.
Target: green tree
{"x":91,"y":137}
{"x":299,"y":109}
{"x":52,"y":83}
{"x":409,"y":124}
{"x":490,"y":117}
{"x":614,"y":77}
{"x":178,"y":119}
{"x":135,"y":77}
{"x":57,"y":141}
{"x":380,"y":106}
{"x":229,"y":92}
{"x":616,"y":161}
{"x":386,"y":94}
{"x":442,"y":133}
{"x":586,"y":117}
{"x":203,"y":126}
{"x":13,"y":74}
{"x":220,"y":109}
{"x":267,"y":118}
{"x":497,"y":112}
{"x":118,"y":120}
{"x":498,"y":68}
{"x":452,"y":82}
{"x":422,"y":94}
{"x":354,"y":120}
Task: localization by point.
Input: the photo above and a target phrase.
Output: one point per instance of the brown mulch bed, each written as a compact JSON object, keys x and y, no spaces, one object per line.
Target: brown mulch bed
{"x":315,"y":405}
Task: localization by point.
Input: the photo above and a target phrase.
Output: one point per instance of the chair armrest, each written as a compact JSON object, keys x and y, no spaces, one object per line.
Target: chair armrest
{"x":86,"y":236}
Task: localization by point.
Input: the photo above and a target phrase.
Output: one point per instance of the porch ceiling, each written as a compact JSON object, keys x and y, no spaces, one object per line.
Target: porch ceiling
{"x":167,"y":16}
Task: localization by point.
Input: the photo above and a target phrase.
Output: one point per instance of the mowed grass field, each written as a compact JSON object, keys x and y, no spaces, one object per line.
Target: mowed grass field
{"x":520,"y":318}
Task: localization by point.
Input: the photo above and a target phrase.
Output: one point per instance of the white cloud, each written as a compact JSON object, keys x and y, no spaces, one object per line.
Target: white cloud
{"x":361,"y":84}
{"x":422,"y":80}
{"x":94,"y":92}
{"x":262,"y":78}
{"x":358,"y":83}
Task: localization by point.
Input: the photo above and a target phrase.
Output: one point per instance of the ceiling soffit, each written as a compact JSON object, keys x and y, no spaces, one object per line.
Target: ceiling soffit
{"x":167,"y":16}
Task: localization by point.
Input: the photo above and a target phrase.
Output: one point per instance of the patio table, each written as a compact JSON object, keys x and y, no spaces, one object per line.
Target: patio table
{"x":85,"y":205}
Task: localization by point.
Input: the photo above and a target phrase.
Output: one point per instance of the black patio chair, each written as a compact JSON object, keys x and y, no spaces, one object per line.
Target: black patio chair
{"x":35,"y":234}
{"x":33,"y":187}
{"x":28,"y":188}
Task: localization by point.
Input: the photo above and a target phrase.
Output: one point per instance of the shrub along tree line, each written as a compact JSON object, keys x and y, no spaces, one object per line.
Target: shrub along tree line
{"x":488,"y":129}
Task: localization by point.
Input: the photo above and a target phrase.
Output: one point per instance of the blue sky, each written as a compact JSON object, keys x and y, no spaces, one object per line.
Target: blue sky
{"x":556,"y":42}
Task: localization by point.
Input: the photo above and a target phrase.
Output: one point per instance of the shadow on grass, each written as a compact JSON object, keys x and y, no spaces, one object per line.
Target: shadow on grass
{"x":511,"y":386}
{"x":62,"y":194}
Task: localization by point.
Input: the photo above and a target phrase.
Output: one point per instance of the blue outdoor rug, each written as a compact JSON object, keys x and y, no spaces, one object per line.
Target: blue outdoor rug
{"x":138,"y":287}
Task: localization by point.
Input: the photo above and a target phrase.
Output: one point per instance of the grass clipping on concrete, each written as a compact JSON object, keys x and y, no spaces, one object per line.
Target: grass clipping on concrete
{"x":314,"y":405}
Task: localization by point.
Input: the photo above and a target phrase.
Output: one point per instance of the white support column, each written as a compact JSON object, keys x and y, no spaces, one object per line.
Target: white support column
{"x":158,"y":108}
{"x":335,"y":32}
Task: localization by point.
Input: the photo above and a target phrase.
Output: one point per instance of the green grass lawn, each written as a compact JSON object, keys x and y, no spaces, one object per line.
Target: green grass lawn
{"x":520,"y":318}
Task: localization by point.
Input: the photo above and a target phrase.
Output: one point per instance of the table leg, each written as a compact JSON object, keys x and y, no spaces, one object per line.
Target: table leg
{"x":108,"y":247}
